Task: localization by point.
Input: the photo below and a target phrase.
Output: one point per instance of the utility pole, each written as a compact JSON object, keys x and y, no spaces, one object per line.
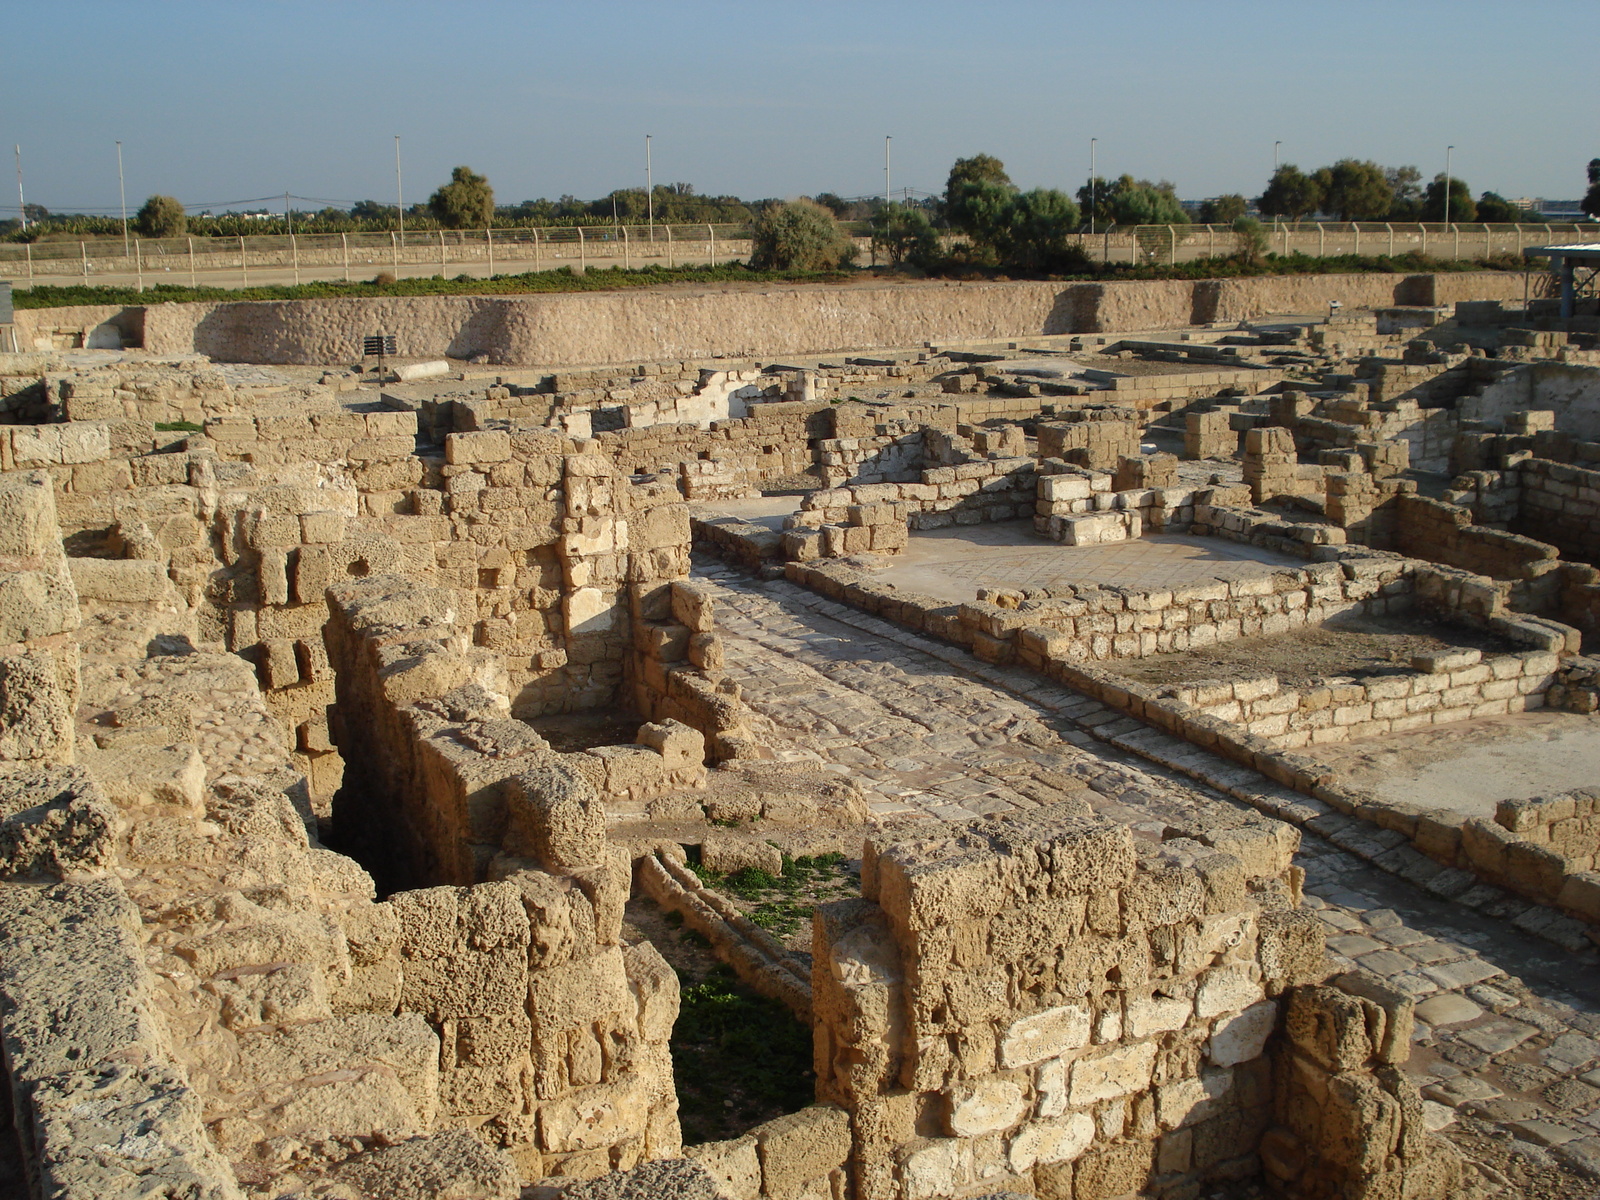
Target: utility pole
{"x":649,"y":188}
{"x":22,"y":205}
{"x":1447,"y":151}
{"x":124,"y":192}
{"x":886,"y":141}
{"x":1092,"y":142}
{"x":399,"y":200}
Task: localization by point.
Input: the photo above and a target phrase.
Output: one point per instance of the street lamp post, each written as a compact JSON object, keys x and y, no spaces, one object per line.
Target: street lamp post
{"x":122,"y":189}
{"x":1447,"y":152}
{"x":1092,"y":142}
{"x":886,"y":140}
{"x":399,"y":198}
{"x":22,"y":205}
{"x":649,"y":188}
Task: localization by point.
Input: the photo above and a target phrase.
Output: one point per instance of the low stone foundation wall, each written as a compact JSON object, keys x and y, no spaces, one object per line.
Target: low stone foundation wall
{"x":1449,"y":687}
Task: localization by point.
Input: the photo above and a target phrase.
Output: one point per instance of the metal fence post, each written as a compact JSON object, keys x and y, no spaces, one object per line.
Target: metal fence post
{"x":1356,"y":225}
{"x":1424,"y":228}
{"x":394,"y":242}
{"x":711,"y":244}
{"x":1105,"y":254}
{"x":535,"y":249}
{"x":138,"y":263}
{"x":1390,"y":228}
{"x":191,"y":263}
{"x":441,"y":252}
{"x":1455,"y":246}
{"x":671,"y":262}
{"x":28,"y":247}
{"x":84,"y":247}
{"x":1322,"y":240}
{"x":244,"y":267}
{"x":488,"y":234}
{"x":583,"y":253}
{"x":627,"y":259}
{"x":344,"y":249}
{"x":294,"y":255}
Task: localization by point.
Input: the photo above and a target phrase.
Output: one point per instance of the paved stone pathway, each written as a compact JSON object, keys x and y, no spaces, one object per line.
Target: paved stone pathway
{"x":1508,"y":1025}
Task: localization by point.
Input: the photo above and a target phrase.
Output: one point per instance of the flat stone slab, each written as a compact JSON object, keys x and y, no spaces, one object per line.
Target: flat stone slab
{"x":1461,"y":974}
{"x":1462,"y":1089}
{"x":1448,"y":1009}
{"x":1496,"y":1037}
{"x":1545,"y":1133}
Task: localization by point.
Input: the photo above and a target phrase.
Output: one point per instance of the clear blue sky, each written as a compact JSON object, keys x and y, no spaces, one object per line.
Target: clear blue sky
{"x":228,"y":100}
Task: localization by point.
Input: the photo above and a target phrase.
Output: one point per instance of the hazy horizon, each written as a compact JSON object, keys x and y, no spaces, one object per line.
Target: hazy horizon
{"x":221,"y":105}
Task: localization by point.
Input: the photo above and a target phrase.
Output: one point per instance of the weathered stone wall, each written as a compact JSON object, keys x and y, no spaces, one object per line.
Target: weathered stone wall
{"x":1560,"y":504}
{"x":629,"y":326}
{"x":1045,"y":1004}
{"x":1450,"y":687}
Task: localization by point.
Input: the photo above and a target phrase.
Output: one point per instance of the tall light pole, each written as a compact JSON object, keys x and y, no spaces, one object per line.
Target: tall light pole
{"x":126,"y":249}
{"x":1092,"y":142}
{"x":1447,"y":151}
{"x":886,"y":141}
{"x":649,"y":188}
{"x":399,"y":199}
{"x":22,"y":205}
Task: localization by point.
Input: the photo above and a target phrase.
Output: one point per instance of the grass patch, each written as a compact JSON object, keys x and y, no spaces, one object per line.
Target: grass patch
{"x":783,"y":903}
{"x":563,"y":279}
{"x":739,"y":1059}
{"x":178,"y":427}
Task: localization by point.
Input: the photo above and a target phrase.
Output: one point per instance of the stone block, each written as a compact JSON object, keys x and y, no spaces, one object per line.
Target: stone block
{"x":1047,"y":1034}
{"x":1118,"y":1072}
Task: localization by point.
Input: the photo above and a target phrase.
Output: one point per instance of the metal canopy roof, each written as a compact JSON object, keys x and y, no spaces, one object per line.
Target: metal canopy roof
{"x":1590,"y":250}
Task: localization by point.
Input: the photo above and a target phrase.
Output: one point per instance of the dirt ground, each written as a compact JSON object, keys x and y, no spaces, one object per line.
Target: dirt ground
{"x":1470,"y":766}
{"x":1353,"y":647}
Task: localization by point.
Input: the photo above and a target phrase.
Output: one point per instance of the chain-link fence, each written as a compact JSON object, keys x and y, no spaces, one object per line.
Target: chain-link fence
{"x":304,"y":258}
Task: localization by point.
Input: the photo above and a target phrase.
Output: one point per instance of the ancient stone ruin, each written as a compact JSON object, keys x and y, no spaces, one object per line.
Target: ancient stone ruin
{"x":1046,"y":722}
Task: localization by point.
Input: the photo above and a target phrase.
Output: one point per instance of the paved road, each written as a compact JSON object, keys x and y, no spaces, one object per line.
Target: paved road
{"x":1508,"y":1029}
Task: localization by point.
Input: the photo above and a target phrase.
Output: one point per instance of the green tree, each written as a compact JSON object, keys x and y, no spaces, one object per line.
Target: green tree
{"x":1291,"y":193}
{"x":977,"y":189}
{"x":1355,"y":190}
{"x":1129,"y":201}
{"x":905,"y":234}
{"x":1496,"y":209}
{"x":1250,"y":239}
{"x":162,"y":216}
{"x":466,"y":202}
{"x":1591,"y":198}
{"x":1223,"y":210}
{"x":1462,"y":209}
{"x":1406,"y":184}
{"x":798,"y":236}
{"x":1036,"y":231}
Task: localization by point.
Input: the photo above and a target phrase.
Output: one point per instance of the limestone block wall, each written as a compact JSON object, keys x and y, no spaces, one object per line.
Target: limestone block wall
{"x":1083,"y":507}
{"x":1094,"y":436}
{"x":1444,"y":688}
{"x":1348,"y":1121}
{"x":1444,"y":533}
{"x":424,"y":721}
{"x":774,"y":442}
{"x":1046,"y":1005}
{"x":1570,"y":391}
{"x":1560,"y":504}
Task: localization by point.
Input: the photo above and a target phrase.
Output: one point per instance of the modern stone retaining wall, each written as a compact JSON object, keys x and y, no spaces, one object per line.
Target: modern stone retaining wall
{"x":637,"y":326}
